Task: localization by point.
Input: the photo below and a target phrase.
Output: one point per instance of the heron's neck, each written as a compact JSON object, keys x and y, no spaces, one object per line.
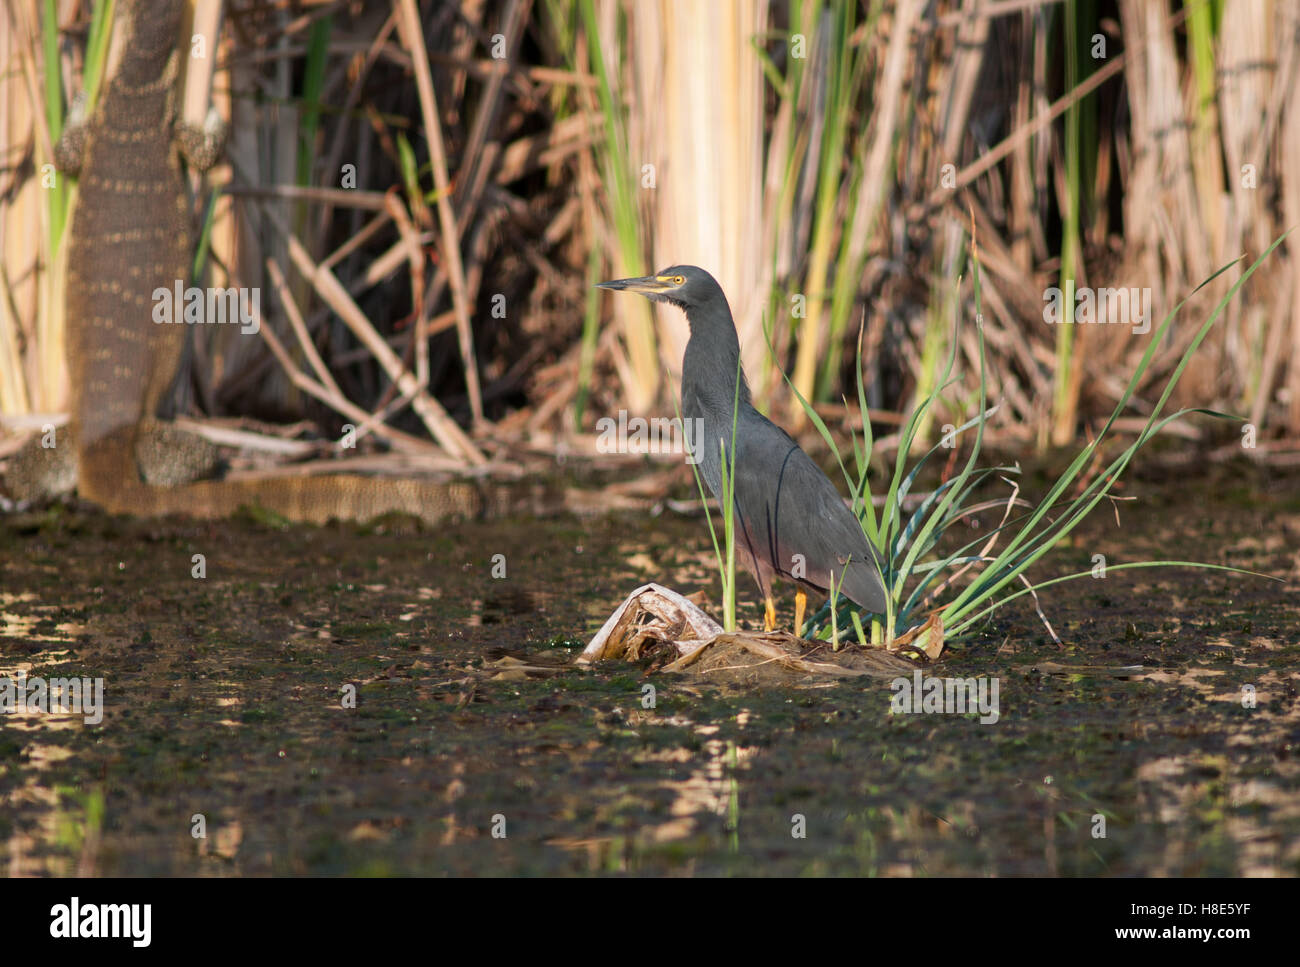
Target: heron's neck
{"x":713,"y":360}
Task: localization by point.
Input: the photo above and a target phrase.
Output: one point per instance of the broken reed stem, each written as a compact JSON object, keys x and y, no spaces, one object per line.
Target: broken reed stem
{"x":331,"y":396}
{"x":331,"y":291}
{"x":413,"y":38}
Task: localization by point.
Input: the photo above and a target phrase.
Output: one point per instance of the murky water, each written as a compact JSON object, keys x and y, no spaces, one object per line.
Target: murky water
{"x":347,"y":700}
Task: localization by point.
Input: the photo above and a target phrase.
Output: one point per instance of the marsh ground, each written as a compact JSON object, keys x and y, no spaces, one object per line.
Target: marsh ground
{"x":224,"y":699}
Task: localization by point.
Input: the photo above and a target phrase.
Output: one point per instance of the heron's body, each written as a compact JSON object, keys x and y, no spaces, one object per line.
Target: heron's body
{"x":791,"y":519}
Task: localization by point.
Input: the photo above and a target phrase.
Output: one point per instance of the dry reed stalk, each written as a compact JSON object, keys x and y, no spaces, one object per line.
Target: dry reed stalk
{"x":334,"y":294}
{"x":703,"y":132}
{"x":409,"y":28}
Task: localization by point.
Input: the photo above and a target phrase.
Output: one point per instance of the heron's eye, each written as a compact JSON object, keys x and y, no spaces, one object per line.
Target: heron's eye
{"x":679,"y":280}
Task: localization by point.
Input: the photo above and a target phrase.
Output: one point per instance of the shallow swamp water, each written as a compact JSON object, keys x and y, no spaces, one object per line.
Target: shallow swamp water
{"x":230,"y":745}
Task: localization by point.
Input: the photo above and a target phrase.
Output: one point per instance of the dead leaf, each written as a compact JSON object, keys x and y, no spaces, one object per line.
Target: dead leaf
{"x":926,"y":638}
{"x":651,"y":613}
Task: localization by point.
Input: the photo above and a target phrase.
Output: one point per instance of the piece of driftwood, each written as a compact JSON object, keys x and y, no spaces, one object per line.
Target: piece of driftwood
{"x":658,"y":620}
{"x":651,"y":613}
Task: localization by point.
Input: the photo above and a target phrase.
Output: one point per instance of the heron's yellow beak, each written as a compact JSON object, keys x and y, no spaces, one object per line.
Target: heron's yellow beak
{"x":646,"y":284}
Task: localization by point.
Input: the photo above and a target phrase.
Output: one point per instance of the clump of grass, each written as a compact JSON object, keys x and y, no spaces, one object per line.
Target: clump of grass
{"x":921,"y":582}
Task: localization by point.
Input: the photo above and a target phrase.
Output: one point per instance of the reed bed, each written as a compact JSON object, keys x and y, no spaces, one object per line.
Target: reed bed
{"x":425,"y":191}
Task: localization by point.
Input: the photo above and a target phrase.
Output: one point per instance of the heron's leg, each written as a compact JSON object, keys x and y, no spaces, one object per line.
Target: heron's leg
{"x":769,"y":613}
{"x":800,"y":606}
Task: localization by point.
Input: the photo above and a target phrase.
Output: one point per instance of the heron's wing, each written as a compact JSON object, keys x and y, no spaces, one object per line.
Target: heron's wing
{"x":800,"y":512}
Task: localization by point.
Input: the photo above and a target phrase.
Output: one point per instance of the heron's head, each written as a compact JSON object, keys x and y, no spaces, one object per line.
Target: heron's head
{"x":686,"y":286}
